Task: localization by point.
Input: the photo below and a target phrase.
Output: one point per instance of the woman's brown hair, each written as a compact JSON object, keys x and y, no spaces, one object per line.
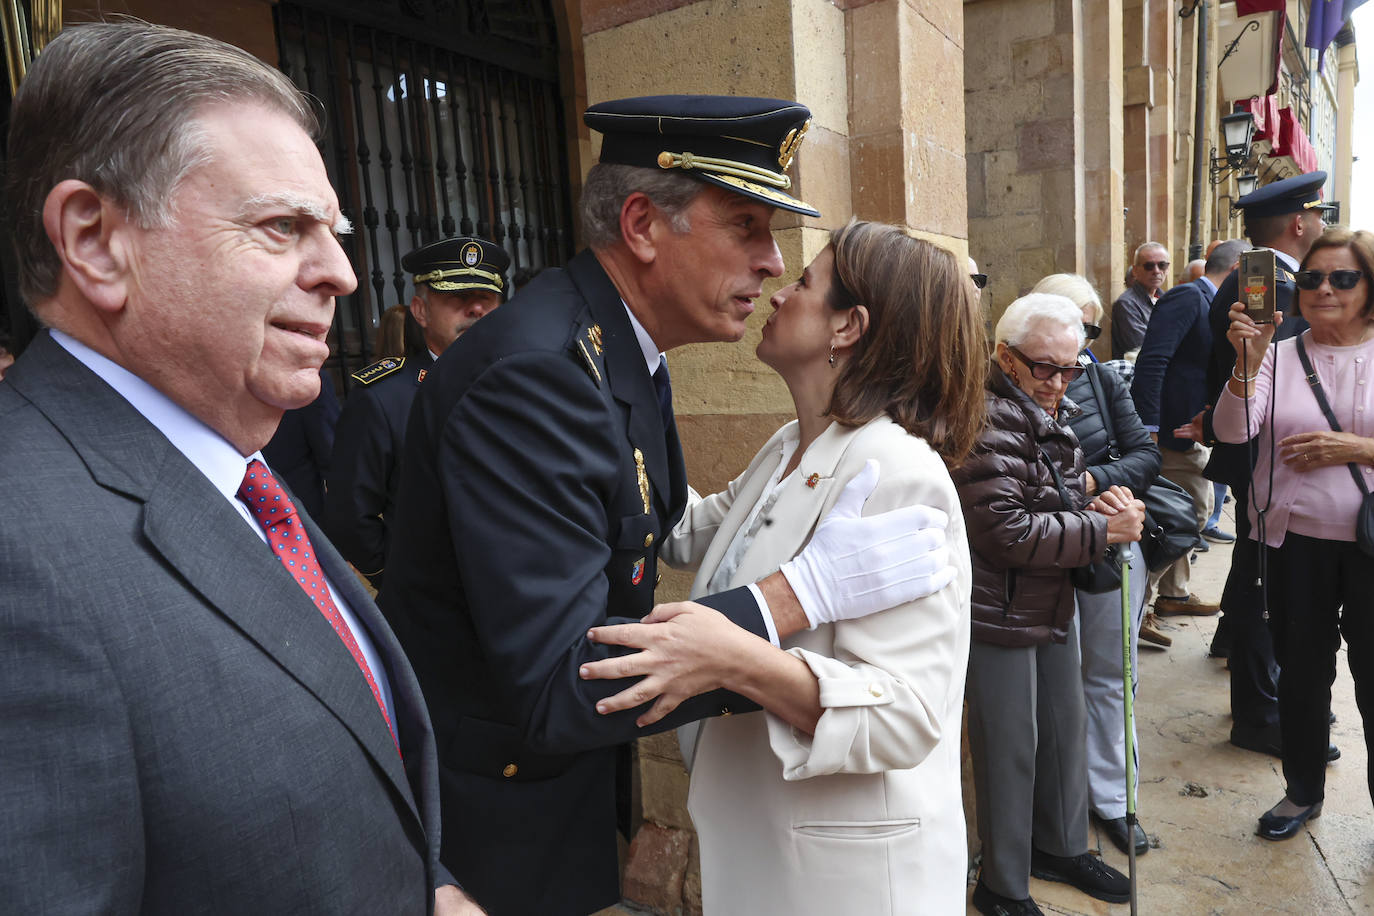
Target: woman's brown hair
{"x":1361,"y":245}
{"x":923,"y":358}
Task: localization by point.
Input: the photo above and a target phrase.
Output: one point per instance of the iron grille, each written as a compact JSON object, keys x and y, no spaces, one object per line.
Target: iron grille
{"x":424,"y":140}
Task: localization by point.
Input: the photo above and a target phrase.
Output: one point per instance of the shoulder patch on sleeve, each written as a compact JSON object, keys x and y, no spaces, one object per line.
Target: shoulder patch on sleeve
{"x":378,"y":370}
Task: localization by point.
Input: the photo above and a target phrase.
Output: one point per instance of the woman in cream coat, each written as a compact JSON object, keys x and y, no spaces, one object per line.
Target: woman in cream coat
{"x":843,"y":796}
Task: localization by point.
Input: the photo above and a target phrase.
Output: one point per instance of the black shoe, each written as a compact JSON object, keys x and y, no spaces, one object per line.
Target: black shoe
{"x":1277,"y":827}
{"x":990,"y":904}
{"x":1115,"y":829}
{"x":1086,"y":872}
{"x":1266,"y":740}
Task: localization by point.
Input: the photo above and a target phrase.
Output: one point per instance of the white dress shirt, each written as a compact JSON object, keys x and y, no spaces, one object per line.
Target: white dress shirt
{"x":218,"y":460}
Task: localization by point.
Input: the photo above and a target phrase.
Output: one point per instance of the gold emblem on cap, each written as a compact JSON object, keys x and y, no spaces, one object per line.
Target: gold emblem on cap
{"x":788,"y":149}
{"x":472,"y":254}
{"x":594,"y":335}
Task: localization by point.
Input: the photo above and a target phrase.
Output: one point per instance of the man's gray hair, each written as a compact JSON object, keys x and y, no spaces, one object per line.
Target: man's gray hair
{"x":608,"y":185}
{"x":1225,"y":256}
{"x":1021,"y":317}
{"x":1146,"y":247}
{"x":114,"y":104}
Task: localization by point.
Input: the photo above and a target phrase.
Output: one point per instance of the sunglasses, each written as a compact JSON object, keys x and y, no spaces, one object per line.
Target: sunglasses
{"x":1340,"y":279}
{"x":979,"y":280}
{"x":1046,"y":371}
{"x":1155,"y":265}
{"x":1092,"y":331}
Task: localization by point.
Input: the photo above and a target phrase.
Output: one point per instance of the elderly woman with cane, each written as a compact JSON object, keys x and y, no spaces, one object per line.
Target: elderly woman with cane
{"x":1117,"y":450}
{"x":1029,"y":524}
{"x":1310,"y":399}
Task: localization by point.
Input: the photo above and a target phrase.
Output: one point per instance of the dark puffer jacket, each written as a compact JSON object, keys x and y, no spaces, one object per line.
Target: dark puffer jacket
{"x":1023,"y":540}
{"x":1138,"y":464}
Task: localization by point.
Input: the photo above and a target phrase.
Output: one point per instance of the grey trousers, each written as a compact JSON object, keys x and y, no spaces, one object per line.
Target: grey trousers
{"x":1099,"y":634}
{"x":1184,"y":469}
{"x":1026,"y":737}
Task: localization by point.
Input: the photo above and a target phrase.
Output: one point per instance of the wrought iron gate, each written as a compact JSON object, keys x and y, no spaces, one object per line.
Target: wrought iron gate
{"x":441,"y":118}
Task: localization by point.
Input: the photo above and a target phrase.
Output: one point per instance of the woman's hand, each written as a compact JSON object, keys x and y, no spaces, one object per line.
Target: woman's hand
{"x":688,"y":649}
{"x":1250,"y":339}
{"x":1125,"y":514}
{"x":1325,"y":448}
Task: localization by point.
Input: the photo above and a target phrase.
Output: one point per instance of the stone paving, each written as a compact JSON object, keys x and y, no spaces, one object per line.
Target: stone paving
{"x":1200,"y":797}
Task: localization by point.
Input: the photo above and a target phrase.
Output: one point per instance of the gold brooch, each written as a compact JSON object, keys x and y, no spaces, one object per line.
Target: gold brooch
{"x":594,"y":335}
{"x":813,"y":480}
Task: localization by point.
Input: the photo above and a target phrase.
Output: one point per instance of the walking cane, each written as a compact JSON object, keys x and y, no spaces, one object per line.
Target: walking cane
{"x":1129,"y":707}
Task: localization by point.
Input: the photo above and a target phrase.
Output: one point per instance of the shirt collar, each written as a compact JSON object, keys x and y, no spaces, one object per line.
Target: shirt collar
{"x":210,"y":452}
{"x":1210,"y":285}
{"x":1288,"y":260}
{"x":647,"y":348}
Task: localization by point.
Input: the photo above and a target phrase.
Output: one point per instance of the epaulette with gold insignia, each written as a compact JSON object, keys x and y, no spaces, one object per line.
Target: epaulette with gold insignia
{"x":379,"y":370}
{"x":590,"y":346}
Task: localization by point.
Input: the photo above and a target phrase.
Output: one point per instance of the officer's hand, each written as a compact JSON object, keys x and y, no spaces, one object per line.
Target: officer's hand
{"x":856,"y":565}
{"x":451,"y":901}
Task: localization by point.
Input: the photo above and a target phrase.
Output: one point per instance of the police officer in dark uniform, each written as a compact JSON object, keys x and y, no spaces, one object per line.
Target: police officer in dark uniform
{"x":1287,"y":217}
{"x":457,"y":281}
{"x":542,"y":470}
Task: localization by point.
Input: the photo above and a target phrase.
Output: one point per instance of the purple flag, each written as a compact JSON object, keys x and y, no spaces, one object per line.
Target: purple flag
{"x":1324,"y":21}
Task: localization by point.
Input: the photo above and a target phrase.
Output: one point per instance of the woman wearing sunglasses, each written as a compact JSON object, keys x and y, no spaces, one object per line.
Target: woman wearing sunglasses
{"x":1320,"y":585}
{"x":1029,"y":523}
{"x":1131,"y":459}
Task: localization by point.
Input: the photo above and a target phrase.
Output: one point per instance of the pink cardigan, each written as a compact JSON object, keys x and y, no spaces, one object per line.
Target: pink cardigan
{"x":1321,"y":503}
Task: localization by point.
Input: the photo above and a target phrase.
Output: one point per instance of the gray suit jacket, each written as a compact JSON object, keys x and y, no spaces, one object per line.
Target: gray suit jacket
{"x":180,"y":729}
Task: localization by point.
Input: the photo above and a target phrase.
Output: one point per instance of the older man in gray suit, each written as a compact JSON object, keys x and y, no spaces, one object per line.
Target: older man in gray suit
{"x":199,"y":710}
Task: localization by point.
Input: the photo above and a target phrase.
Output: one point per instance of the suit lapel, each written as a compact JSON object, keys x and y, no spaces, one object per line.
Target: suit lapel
{"x":200,"y":535}
{"x":631,"y":385}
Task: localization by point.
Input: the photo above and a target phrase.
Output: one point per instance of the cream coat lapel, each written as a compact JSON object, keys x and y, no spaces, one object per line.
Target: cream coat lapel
{"x":793,"y":517}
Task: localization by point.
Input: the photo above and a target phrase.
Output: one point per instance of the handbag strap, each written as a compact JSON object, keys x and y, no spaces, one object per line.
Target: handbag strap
{"x":1104,"y":410}
{"x":1316,"y":386}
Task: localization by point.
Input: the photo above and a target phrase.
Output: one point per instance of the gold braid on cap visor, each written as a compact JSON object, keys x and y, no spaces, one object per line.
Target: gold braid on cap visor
{"x":434,"y":275}
{"x":687,"y":161}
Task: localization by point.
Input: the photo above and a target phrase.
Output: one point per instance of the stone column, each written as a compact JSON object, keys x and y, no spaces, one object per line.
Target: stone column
{"x":1103,"y":155}
{"x":1343,"y":158}
{"x":1024,"y":87}
{"x":1160,"y":48}
{"x":1138,"y":103}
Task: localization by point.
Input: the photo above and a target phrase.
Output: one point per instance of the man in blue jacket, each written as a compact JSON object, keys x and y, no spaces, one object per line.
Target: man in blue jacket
{"x":1169,"y":389}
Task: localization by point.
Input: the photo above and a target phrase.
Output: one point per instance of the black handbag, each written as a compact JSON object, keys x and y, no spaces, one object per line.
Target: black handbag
{"x":1170,"y":520}
{"x":1099,"y":576}
{"x":1364,"y":519}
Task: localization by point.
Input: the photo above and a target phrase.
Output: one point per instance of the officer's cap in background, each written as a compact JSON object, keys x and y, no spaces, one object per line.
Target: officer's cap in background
{"x":457,"y":264}
{"x":1291,"y":195}
{"x":744,"y":145}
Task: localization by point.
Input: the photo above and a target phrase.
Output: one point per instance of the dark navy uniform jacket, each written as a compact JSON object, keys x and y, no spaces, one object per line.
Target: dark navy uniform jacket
{"x":301,"y":447}
{"x":1231,"y":464}
{"x":365,"y":470}
{"x":537,"y":485}
{"x":1170,"y":384}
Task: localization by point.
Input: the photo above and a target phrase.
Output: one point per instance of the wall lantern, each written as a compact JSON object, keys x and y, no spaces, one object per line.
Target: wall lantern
{"x":1246,"y":184}
{"x":1237,"y":132}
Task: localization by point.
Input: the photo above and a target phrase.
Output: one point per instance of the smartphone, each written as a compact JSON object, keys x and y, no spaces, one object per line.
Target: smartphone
{"x":1256,"y":276}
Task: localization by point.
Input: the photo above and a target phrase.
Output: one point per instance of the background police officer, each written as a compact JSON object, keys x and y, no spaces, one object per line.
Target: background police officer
{"x":457,"y":281}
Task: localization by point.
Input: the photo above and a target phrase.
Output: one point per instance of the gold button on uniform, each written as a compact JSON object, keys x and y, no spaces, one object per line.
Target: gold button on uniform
{"x":509,"y":770}
{"x":649,"y":539}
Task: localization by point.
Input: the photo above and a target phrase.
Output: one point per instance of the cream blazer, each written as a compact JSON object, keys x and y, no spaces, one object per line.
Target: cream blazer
{"x":866,"y":817}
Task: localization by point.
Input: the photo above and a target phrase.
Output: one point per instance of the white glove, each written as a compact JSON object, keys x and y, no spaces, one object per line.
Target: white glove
{"x":856,"y":566}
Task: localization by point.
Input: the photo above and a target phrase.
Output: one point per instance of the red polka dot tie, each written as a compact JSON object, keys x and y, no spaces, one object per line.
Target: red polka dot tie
{"x":286,"y":536}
